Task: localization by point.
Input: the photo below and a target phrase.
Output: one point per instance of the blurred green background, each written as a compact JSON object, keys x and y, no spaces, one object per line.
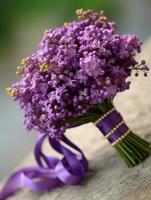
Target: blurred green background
{"x":22,"y":23}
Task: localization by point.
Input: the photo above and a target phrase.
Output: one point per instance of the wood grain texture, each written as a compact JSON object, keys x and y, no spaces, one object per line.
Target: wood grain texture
{"x":108,"y":177}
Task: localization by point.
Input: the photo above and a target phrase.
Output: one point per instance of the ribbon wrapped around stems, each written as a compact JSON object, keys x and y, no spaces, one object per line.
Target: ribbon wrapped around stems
{"x":131,"y":147}
{"x":113,"y":127}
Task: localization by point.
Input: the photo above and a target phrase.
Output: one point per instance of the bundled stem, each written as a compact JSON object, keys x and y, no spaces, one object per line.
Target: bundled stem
{"x":131,"y":148}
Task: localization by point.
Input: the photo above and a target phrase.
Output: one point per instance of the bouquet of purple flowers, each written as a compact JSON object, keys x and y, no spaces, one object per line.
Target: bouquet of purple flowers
{"x":72,"y":79}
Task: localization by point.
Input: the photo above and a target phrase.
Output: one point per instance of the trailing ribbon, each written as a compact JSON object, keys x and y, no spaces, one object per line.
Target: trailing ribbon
{"x":51,"y":171}
{"x":71,"y":169}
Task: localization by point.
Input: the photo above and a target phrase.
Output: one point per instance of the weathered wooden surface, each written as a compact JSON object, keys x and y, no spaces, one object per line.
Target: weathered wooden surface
{"x":108,"y":177}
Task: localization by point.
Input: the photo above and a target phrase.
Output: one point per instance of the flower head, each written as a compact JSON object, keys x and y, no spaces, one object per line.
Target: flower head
{"x":76,"y":66}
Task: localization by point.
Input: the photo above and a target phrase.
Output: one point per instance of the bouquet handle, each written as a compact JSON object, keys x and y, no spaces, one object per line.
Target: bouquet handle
{"x":131,"y":147}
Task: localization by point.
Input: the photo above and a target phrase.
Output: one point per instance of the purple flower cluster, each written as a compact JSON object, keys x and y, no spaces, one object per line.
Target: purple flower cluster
{"x":76,"y":66}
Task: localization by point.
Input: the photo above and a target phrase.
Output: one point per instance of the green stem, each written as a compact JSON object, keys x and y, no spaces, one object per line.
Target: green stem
{"x":132,"y":148}
{"x":135,"y":149}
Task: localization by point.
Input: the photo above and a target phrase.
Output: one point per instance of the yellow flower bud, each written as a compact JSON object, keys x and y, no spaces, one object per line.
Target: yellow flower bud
{"x":44,"y":67}
{"x":79,"y":12}
{"x":23,"y":62}
{"x":65,"y":25}
{"x":45,"y":32}
{"x":12,"y":92}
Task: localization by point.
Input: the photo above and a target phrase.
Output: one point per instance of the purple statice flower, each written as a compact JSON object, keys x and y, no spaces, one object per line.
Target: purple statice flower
{"x":76,"y":66}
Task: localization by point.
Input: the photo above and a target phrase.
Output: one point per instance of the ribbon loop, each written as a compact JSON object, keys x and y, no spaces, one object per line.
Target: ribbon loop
{"x":50,"y":171}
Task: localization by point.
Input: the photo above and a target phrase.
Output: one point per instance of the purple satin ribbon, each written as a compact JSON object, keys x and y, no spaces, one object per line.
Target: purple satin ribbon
{"x":118,"y":133}
{"x":51,"y":171}
{"x":109,"y":122}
